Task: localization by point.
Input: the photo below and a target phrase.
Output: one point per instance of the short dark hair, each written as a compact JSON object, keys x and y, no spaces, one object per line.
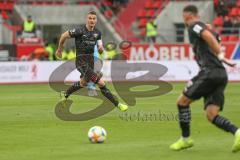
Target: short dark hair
{"x":191,"y":8}
{"x":92,"y":12}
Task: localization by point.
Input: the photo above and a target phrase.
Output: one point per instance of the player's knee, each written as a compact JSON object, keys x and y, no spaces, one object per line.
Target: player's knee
{"x":183,"y":101}
{"x":210,"y":116}
{"x":83,"y":83}
{"x":211,"y":112}
{"x":101,"y":83}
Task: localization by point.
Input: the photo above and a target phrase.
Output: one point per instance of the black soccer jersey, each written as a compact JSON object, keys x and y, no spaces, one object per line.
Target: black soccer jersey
{"x":203,"y":53}
{"x":85,"y":42}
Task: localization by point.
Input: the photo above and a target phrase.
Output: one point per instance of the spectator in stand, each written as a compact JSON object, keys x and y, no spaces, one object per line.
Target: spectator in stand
{"x":236,"y":25}
{"x":222,"y":8}
{"x":109,"y":53}
{"x":151,"y":31}
{"x":227,"y":26}
{"x":50,"y":51}
{"x":39,"y":54}
{"x":29,"y":27}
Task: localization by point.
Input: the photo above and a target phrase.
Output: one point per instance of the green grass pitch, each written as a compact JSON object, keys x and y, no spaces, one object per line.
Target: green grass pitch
{"x":30,"y":130}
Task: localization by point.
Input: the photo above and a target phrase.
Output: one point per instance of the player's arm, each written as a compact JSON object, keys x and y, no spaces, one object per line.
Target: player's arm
{"x":215,"y":46}
{"x":100,"y":44}
{"x":62,"y":40}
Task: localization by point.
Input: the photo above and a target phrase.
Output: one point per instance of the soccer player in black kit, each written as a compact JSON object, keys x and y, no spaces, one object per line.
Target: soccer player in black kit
{"x":209,"y":83}
{"x":86,"y":37}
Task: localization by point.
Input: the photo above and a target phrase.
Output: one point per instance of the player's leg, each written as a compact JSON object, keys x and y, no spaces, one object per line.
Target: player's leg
{"x":194,"y":90}
{"x":75,"y":87}
{"x":213,"y":105}
{"x":184,"y":115}
{"x":96,"y":77}
{"x":107,"y":93}
{"x":212,"y":113}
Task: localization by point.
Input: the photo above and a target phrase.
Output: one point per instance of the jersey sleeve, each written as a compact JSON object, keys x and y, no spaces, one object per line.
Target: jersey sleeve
{"x":99,"y":39}
{"x":99,"y":36}
{"x":197,"y":29}
{"x":76,"y":32}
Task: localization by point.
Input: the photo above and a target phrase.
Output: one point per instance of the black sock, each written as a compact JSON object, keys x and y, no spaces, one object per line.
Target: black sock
{"x":76,"y":86}
{"x":106,"y":92}
{"x":184,"y":115}
{"x":224,"y":124}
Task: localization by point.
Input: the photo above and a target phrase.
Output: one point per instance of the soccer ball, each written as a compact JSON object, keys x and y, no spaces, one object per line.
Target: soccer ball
{"x":97,"y":134}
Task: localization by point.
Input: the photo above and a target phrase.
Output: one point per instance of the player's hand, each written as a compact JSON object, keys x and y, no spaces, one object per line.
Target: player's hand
{"x":229,"y":63}
{"x":59,"y":53}
{"x":232,"y":64}
{"x":100,"y":50}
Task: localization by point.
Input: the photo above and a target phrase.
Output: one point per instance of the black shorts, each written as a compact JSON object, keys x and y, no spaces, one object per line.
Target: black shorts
{"x":209,"y":84}
{"x":87,"y":72}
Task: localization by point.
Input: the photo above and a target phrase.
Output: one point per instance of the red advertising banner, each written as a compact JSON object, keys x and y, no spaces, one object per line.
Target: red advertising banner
{"x":146,"y":52}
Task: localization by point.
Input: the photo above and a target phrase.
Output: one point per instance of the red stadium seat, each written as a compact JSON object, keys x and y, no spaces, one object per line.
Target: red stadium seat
{"x":157,"y":5}
{"x":224,"y":38}
{"x":218,"y":21}
{"x":5,"y":15}
{"x":6,"y":6}
{"x":151,"y":13}
{"x":108,"y":3}
{"x":216,"y":2}
{"x":108,"y":13}
{"x":142,"y":22}
{"x":234,"y":12}
{"x":149,"y":5}
{"x":233,"y":38}
{"x":142,"y":14}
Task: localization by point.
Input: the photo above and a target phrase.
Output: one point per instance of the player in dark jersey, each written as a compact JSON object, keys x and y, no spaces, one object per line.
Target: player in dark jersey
{"x":86,"y":37}
{"x":209,"y":83}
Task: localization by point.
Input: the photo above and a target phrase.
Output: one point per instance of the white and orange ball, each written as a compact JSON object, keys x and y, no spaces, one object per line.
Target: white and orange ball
{"x":97,"y":134}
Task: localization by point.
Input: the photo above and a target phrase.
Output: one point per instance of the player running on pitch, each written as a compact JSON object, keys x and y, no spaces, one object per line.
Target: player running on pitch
{"x":209,"y":83}
{"x":86,"y":37}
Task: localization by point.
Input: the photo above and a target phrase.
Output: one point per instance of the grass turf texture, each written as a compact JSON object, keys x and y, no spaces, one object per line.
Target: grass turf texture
{"x":30,"y":130}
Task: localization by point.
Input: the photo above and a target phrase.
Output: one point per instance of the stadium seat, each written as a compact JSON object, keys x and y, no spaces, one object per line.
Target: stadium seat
{"x":149,"y":5}
{"x":142,"y":22}
{"x":108,"y":3}
{"x":234,"y":12}
{"x":157,"y":5}
{"x":5,"y":15}
{"x":218,"y":21}
{"x":233,"y":38}
{"x":216,"y":2}
{"x":142,"y":13}
{"x":108,"y":13}
{"x":150,"y":13}
{"x":6,"y":6}
{"x":224,"y":38}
